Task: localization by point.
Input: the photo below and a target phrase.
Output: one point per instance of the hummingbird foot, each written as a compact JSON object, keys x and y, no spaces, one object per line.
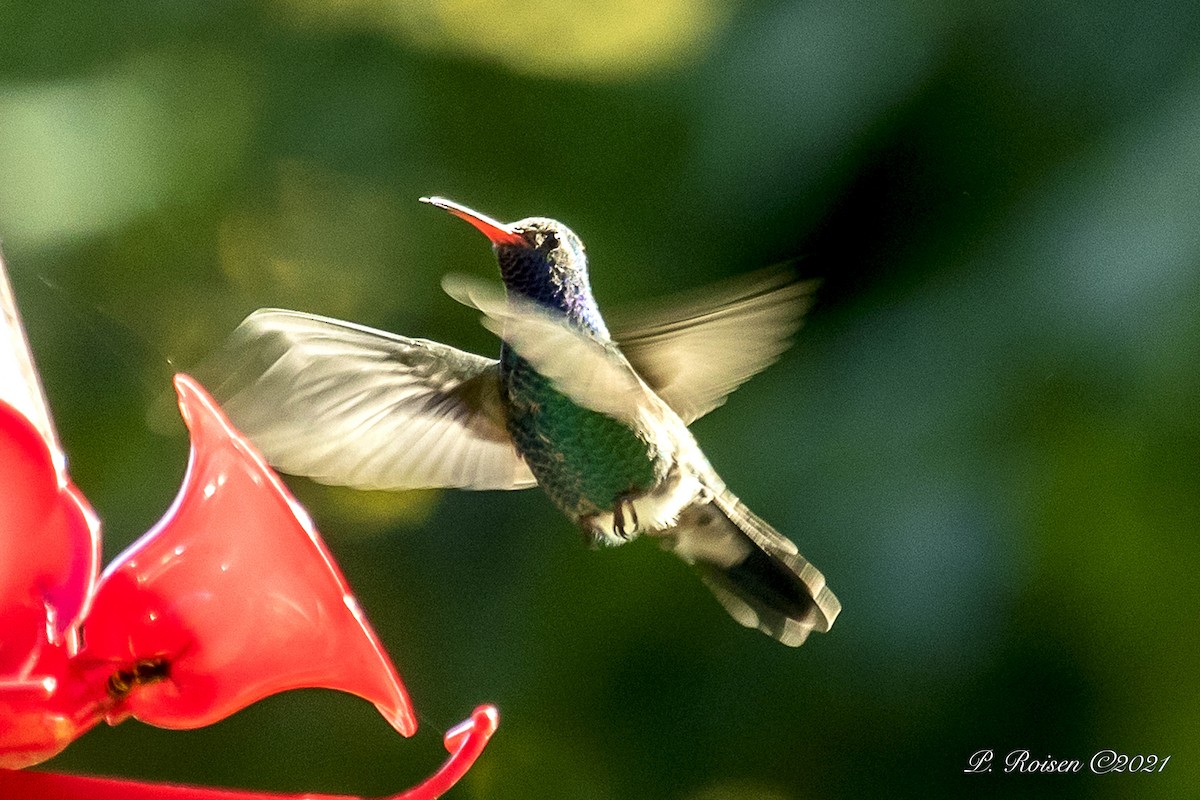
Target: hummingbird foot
{"x":641,"y":511}
{"x":624,"y":502}
{"x":616,"y":527}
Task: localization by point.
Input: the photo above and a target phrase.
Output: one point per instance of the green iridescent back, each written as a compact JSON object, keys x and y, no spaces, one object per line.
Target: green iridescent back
{"x":582,"y":459}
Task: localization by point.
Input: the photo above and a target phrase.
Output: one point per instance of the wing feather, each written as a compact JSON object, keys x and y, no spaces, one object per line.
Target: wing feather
{"x":349,"y":405}
{"x":593,"y":373}
{"x":695,"y":349}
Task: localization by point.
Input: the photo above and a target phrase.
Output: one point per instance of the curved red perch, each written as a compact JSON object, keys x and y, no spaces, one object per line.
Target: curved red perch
{"x":465,"y":742}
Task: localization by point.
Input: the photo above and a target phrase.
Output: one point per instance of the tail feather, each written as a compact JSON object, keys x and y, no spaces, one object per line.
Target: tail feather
{"x":754,"y":571}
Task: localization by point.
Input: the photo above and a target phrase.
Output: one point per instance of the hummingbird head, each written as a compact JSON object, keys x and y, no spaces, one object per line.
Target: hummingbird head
{"x":540,"y":258}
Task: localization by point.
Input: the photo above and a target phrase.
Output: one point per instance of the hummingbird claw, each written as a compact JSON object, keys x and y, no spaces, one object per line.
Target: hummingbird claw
{"x":624,"y":502}
{"x":619,"y":520}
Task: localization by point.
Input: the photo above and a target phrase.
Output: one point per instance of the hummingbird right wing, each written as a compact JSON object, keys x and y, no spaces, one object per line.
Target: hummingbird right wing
{"x":694,"y":350}
{"x":353,"y":406}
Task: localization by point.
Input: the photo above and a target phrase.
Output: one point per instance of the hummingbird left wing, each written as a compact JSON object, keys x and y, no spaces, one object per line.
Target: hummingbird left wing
{"x":695,"y":349}
{"x":592,"y":373}
{"x":349,"y":405}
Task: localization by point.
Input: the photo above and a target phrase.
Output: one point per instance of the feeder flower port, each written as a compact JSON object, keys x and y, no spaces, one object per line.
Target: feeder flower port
{"x":231,"y":597}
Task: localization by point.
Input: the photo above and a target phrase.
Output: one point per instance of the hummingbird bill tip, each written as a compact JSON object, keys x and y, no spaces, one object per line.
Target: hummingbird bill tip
{"x":497,"y":232}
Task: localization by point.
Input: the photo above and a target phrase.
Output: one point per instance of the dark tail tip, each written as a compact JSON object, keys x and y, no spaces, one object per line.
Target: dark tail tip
{"x":754,"y":571}
{"x":760,"y":578}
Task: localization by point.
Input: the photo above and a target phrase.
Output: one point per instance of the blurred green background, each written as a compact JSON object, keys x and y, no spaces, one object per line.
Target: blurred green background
{"x":987,"y":436}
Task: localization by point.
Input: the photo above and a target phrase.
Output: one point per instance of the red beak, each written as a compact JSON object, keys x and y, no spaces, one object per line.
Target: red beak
{"x":497,"y":232}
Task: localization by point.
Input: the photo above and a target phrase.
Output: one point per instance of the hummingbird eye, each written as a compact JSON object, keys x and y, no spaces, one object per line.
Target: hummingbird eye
{"x":549,"y":240}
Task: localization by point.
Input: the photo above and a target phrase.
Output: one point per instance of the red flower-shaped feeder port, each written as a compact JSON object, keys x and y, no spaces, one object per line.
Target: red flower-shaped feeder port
{"x":231,"y":597}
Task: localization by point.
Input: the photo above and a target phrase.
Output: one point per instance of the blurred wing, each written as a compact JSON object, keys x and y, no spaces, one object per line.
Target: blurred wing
{"x":348,"y":405}
{"x":694,"y":350}
{"x":592,"y":373}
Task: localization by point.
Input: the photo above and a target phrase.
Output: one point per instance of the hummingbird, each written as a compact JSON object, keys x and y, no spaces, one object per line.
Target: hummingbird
{"x":597,"y":417}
